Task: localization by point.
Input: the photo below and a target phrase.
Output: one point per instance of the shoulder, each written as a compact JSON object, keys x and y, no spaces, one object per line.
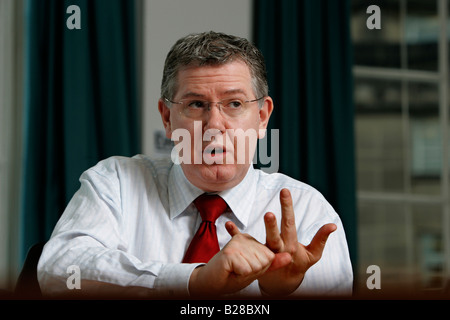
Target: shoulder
{"x":277,"y":181}
{"x":125,"y":178}
{"x":307,"y":200}
{"x":138,"y":166}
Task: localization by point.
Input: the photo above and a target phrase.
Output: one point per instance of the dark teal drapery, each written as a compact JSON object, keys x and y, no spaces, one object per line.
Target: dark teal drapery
{"x":80,"y":104}
{"x":307,"y":47}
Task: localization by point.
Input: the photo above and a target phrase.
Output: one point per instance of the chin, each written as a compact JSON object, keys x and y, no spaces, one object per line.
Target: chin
{"x":216,"y":177}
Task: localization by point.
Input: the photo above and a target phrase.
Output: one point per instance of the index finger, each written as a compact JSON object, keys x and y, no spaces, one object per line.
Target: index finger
{"x":288,"y":229}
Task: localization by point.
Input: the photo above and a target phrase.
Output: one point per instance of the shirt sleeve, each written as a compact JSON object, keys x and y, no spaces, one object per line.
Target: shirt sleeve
{"x":89,"y":235}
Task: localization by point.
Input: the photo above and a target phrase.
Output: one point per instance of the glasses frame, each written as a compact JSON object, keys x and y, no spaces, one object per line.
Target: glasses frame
{"x":212,"y":102}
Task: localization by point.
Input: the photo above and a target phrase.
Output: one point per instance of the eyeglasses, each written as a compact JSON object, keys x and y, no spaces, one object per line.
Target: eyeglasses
{"x":195,"y":108}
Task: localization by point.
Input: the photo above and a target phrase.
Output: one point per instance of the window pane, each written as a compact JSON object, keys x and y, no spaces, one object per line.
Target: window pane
{"x":428,"y":245}
{"x":383,"y":241}
{"x":426,"y":138}
{"x":405,"y":241}
{"x":422,"y":34}
{"x":379,"y":136}
{"x":390,"y":156}
{"x":376,"y":47}
{"x":415,"y":26}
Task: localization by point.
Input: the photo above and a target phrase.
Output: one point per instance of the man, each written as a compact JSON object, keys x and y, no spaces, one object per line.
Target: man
{"x":133,"y":223}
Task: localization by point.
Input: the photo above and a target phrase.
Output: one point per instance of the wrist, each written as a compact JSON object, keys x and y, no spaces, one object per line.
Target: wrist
{"x":279,"y":288}
{"x":194,"y":288}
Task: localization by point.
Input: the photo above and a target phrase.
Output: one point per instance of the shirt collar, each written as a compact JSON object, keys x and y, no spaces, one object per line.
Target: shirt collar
{"x":240,"y":198}
{"x":181,"y":192}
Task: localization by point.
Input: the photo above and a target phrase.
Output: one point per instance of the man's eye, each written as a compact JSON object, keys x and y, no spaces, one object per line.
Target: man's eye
{"x":197,"y":104}
{"x":235,"y":104}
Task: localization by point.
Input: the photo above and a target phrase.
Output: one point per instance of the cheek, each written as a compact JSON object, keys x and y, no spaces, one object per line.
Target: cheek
{"x":251,"y":125}
{"x":245,"y":137}
{"x":175,"y":122}
{"x":192,"y":131}
{"x":251,"y":122}
{"x":181,"y":125}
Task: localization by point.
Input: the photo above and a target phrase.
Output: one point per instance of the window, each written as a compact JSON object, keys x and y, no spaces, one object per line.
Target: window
{"x":402,"y":142}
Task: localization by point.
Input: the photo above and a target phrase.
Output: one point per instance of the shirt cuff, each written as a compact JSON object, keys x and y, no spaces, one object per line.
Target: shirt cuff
{"x":173,"y":279}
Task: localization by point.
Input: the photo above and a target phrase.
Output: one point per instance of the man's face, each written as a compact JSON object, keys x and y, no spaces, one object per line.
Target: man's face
{"x":216,"y":130}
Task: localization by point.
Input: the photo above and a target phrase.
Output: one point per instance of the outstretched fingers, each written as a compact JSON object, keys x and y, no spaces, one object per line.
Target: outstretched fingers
{"x":273,"y":237}
{"x":288,"y":228}
{"x":317,"y":244}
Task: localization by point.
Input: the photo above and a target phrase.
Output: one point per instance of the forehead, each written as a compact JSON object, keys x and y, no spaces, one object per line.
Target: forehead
{"x":232,"y":77}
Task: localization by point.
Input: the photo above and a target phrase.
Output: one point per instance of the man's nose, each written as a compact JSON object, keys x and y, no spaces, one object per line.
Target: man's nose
{"x":214,"y":118}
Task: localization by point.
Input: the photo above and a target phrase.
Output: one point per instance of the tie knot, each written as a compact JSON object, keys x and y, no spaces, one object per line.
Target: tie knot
{"x":210,"y":206}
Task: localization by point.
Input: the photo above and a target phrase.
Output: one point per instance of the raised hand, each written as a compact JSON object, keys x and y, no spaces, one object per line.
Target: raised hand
{"x":283,"y":278}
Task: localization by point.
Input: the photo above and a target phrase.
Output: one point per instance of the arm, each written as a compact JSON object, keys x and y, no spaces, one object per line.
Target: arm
{"x":90,"y":234}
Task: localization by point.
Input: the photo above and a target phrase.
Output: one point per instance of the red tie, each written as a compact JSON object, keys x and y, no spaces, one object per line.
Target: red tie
{"x":205,"y":245}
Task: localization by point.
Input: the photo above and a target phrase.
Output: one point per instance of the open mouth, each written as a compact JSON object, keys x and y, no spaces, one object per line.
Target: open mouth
{"x":217,"y":152}
{"x":214,"y":151}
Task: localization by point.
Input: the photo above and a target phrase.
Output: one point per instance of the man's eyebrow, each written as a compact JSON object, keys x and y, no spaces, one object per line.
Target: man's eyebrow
{"x":234,"y":91}
{"x":192,"y":95}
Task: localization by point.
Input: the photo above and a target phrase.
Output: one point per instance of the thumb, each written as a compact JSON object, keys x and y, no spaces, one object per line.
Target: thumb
{"x":232,"y":228}
{"x":281,"y":260}
{"x":320,"y":239}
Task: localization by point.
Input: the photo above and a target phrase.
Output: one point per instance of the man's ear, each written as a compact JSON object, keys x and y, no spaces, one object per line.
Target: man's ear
{"x":164,"y":110}
{"x":264,"y":115}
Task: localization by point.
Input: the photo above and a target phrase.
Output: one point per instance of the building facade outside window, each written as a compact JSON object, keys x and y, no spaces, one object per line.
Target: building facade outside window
{"x":402,"y":143}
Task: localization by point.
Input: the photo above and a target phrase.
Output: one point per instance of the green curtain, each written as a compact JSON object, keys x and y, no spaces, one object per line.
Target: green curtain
{"x":307,"y":47}
{"x":80,"y":102}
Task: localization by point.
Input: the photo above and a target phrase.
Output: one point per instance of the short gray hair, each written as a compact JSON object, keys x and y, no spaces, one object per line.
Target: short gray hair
{"x":213,"y":48}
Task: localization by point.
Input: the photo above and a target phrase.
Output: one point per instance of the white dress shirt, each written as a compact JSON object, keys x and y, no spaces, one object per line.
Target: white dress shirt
{"x":132,"y":220}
